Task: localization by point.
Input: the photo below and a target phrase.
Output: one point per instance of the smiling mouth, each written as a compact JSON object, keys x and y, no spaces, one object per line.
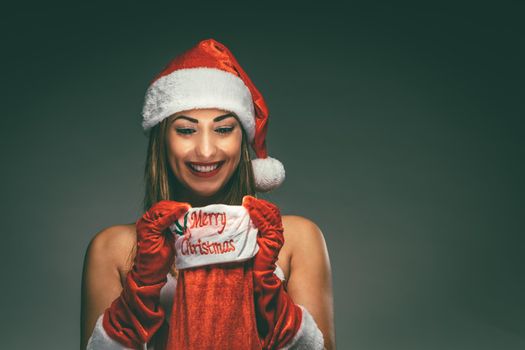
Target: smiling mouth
{"x":205,"y":167}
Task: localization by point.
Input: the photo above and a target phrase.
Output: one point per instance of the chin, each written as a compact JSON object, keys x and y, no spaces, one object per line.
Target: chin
{"x":208,"y":192}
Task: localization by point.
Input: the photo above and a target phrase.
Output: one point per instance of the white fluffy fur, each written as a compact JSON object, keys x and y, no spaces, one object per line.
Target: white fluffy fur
{"x":192,"y":88}
{"x":268,"y":173}
{"x":100,"y":340}
{"x":309,"y":336}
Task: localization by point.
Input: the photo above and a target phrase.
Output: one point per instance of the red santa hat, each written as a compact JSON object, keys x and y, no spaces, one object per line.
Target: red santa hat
{"x":209,"y":76}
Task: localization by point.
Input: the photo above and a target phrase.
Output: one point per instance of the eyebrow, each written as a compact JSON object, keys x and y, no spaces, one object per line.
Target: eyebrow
{"x":216,"y":119}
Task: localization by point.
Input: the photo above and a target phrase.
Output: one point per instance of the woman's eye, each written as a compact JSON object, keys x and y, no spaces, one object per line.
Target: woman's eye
{"x":225,"y":130}
{"x":185,"y":131}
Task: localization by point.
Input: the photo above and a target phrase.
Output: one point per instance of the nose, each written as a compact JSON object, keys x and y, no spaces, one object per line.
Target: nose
{"x":206,"y":148}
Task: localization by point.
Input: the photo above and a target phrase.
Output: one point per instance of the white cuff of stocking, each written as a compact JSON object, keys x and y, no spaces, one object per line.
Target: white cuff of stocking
{"x":214,"y":234}
{"x":309,"y":336}
{"x":100,"y":340}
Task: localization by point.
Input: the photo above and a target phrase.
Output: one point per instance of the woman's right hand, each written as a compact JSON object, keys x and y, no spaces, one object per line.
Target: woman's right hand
{"x":155,"y":245}
{"x":136,"y":315}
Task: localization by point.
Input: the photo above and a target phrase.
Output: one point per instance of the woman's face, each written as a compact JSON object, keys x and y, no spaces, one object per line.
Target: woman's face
{"x":204,"y":148}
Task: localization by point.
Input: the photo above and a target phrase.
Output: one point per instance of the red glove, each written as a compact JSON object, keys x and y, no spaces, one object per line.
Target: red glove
{"x":278,"y":317}
{"x":135,"y":316}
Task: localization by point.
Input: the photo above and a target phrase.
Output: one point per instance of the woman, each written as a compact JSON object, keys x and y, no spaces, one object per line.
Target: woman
{"x":202,"y":111}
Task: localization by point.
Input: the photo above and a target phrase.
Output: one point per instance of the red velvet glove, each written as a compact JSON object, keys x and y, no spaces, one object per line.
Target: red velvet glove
{"x":278,"y":317}
{"x":135,"y":316}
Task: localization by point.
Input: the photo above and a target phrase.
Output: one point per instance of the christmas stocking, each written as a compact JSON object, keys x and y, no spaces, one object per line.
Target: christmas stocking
{"x":214,"y":298}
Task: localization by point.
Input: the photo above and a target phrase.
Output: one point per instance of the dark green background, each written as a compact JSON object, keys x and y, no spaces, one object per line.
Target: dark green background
{"x":400,"y":128}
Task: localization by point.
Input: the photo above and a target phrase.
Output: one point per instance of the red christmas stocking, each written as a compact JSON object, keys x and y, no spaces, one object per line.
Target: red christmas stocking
{"x":214,"y":299}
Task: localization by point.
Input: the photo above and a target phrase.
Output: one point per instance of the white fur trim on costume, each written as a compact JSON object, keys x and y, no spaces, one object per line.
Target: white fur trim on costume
{"x":268,"y":173}
{"x":100,"y":340}
{"x":309,"y":336}
{"x":202,"y":87}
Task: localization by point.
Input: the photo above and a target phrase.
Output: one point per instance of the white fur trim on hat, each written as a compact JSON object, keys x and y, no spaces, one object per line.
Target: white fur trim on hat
{"x":268,"y":173}
{"x":201,"y":87}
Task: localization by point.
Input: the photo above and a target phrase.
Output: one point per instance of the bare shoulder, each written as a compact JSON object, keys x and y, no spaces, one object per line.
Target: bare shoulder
{"x":301,"y":232}
{"x":113,"y":244}
{"x":308,"y":253}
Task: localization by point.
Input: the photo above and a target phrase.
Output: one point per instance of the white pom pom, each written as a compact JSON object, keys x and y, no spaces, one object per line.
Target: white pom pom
{"x":268,"y":173}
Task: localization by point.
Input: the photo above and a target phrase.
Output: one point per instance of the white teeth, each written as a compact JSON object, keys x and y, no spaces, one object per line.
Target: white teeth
{"x":204,"y":169}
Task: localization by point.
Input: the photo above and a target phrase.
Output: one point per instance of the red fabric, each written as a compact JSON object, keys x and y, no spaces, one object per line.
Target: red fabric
{"x":236,"y":305}
{"x":279,"y":318}
{"x":134,"y":317}
{"x":214,"y":309}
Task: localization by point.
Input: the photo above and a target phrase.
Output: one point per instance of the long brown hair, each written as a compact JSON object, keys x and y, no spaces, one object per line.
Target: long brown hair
{"x":160,"y":182}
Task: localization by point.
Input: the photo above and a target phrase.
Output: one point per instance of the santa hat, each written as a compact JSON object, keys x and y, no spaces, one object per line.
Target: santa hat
{"x":209,"y":76}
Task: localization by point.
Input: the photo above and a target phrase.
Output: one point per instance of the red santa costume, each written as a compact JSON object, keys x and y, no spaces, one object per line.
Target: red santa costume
{"x":229,"y":293}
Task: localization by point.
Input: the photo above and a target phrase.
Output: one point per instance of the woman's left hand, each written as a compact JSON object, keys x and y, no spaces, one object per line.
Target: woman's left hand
{"x":279,"y":319}
{"x":267,"y":218}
